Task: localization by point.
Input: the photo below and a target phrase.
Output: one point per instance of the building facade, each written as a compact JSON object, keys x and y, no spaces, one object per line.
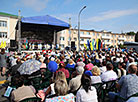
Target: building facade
{"x":7,"y":27}
{"x":65,"y":37}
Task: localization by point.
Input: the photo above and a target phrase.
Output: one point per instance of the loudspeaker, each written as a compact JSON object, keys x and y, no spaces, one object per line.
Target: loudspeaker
{"x":12,"y":43}
{"x":72,"y":44}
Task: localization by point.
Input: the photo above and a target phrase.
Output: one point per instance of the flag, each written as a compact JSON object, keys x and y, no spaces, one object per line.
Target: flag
{"x":85,"y":46}
{"x":1,"y":44}
{"x":97,"y":44}
{"x":26,"y":46}
{"x":88,"y":43}
{"x":101,"y":44}
{"x":91,"y":47}
{"x":4,"y":45}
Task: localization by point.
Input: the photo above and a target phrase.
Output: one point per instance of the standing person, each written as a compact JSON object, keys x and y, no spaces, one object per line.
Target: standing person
{"x":86,"y":93}
{"x":3,"y":63}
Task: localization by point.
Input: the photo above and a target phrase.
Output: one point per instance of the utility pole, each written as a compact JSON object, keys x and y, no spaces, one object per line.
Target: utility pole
{"x":69,"y":43}
{"x":19,"y":31}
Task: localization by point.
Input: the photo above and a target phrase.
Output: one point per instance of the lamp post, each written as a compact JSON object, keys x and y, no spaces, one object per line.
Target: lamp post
{"x":79,"y":27}
{"x":19,"y":31}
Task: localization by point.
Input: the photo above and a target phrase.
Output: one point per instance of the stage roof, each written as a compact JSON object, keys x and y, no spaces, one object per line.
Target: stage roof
{"x":46,"y":19}
{"x":41,"y":27}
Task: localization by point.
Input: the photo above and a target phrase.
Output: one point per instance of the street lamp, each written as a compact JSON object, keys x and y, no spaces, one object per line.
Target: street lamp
{"x":79,"y":27}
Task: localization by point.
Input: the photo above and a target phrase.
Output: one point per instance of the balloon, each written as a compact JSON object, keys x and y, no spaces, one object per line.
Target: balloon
{"x":52,"y":66}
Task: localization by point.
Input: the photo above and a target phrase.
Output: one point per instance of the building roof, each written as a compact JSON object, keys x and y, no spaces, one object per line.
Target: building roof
{"x":130,"y":43}
{"x":8,"y":15}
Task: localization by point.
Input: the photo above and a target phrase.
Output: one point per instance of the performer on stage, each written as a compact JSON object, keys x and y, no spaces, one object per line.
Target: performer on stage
{"x":33,"y":46}
{"x":45,"y":46}
{"x":40,"y":45}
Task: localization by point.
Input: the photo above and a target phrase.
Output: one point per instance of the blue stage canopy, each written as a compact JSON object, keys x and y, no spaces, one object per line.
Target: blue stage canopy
{"x":46,"y":20}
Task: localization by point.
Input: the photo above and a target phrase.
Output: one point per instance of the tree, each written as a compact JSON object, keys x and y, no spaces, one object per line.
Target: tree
{"x":136,"y":37}
{"x":131,"y":33}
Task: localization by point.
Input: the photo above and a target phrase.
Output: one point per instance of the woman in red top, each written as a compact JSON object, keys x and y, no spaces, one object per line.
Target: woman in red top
{"x":62,"y":68}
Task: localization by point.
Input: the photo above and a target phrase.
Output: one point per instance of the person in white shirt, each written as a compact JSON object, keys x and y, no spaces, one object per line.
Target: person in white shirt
{"x":86,"y":93}
{"x":109,"y":74}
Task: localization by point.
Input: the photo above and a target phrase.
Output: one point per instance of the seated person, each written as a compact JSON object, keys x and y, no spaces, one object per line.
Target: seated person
{"x":96,"y":75}
{"x":21,"y":92}
{"x":109,"y":74}
{"x":127,"y":85}
{"x":86,"y":93}
{"x":74,"y":83}
{"x":61,"y":90}
{"x":50,"y":90}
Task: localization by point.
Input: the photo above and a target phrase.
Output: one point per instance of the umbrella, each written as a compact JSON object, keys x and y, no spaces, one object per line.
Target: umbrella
{"x":29,"y":66}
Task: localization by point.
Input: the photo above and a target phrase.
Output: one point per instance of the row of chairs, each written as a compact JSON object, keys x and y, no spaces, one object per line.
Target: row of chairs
{"x":104,"y":88}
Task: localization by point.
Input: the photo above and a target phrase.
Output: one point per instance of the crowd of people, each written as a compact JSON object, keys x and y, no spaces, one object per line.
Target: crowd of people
{"x":69,"y":75}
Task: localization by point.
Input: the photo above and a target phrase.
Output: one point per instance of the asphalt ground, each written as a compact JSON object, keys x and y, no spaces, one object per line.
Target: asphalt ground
{"x":2,"y":89}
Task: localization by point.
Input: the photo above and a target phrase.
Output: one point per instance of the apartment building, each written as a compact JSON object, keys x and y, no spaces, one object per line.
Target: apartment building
{"x":65,"y":37}
{"x":7,"y":27}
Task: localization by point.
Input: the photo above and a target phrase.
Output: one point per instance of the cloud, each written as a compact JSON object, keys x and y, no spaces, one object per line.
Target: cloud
{"x":112,"y":14}
{"x":66,"y":17}
{"x":37,"y":5}
{"x":67,"y":1}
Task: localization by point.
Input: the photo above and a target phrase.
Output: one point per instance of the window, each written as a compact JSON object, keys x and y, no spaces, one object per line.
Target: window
{"x":81,"y":33}
{"x":112,"y":35}
{"x":82,"y":39}
{"x":69,"y":38}
{"x":115,"y":41}
{"x":103,"y":34}
{"x":62,"y":38}
{"x":3,"y":34}
{"x":128,"y":37}
{"x":62,"y":45}
{"x":119,"y":36}
{"x":112,"y":41}
{"x":97,"y":34}
{"x":122,"y":36}
{"x":75,"y":39}
{"x":108,"y":40}
{"x":93,"y":34}
{"x":3,"y":23}
{"x":107,"y":34}
{"x":88,"y":33}
{"x":131,"y":37}
{"x":82,"y":45}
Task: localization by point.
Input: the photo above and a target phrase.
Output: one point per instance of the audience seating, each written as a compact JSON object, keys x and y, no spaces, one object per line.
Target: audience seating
{"x":99,"y":88}
{"x":32,"y":99}
{"x":134,"y":95}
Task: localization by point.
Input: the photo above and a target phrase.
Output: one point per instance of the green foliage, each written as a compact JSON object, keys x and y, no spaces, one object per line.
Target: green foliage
{"x":131,"y":33}
{"x":136,"y":37}
{"x":122,"y":46}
